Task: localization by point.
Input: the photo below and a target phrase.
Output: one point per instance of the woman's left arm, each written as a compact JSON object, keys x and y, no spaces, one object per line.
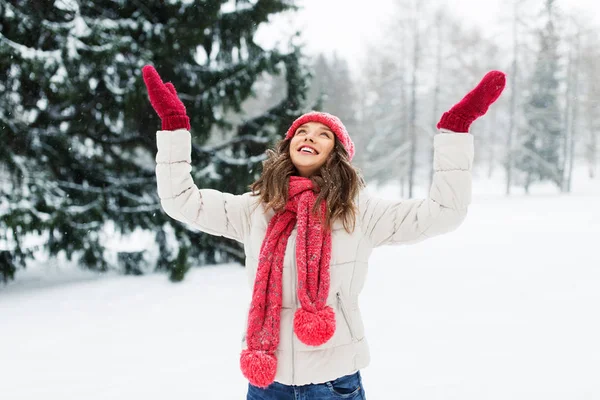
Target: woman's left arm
{"x":409,"y":221}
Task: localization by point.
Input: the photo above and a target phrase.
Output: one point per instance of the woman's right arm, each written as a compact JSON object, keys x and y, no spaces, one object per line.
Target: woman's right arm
{"x":208,"y":210}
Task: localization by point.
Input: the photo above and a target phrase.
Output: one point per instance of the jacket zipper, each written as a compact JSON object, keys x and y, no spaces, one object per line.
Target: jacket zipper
{"x":295,"y":295}
{"x":345,"y":314}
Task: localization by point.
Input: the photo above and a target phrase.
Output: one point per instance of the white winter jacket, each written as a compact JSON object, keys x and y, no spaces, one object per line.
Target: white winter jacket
{"x":379,"y":222}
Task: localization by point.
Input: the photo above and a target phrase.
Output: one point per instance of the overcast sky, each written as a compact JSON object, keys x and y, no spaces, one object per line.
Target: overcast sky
{"x":347,"y":26}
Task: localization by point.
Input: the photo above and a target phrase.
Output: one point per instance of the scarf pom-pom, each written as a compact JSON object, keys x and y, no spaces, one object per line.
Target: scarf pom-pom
{"x":314,"y":329}
{"x":259,"y":367}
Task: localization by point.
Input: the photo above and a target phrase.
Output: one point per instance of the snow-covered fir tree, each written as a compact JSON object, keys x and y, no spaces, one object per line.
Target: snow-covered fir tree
{"x":540,"y":143}
{"x":77,"y":164}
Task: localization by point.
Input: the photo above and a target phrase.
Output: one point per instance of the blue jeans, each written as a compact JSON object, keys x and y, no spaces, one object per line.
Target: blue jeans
{"x":347,"y":387}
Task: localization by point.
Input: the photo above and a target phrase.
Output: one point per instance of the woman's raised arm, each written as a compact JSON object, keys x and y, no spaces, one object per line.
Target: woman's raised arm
{"x":208,"y":210}
{"x":413,"y":220}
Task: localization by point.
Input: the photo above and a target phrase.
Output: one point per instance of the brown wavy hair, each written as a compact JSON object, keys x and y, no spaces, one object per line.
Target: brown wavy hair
{"x":338,"y":183}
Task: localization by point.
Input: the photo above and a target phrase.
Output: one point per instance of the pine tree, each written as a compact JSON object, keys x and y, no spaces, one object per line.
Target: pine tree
{"x":333,"y":90}
{"x":333,"y":87}
{"x":539,"y":153}
{"x":82,"y":137}
{"x":33,"y":106}
{"x":383,"y":142}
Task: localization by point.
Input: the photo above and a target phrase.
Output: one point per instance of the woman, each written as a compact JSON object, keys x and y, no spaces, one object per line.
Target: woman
{"x":308,"y":228}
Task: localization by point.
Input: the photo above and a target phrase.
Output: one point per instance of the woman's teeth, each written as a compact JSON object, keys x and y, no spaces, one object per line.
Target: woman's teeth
{"x":307,"y":150}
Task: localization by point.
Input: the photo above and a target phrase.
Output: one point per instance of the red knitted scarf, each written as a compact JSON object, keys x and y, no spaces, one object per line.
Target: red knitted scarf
{"x":314,"y":322}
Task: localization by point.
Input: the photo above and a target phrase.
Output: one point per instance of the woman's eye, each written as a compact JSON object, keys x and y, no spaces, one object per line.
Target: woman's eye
{"x":325,"y":134}
{"x":300,"y":132}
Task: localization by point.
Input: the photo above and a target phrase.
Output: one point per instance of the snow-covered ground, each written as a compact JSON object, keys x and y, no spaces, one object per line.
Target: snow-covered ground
{"x":506,"y":307}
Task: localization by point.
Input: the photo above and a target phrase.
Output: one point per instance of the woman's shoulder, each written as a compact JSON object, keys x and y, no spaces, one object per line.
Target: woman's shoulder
{"x":256,"y":206}
{"x":362,"y":196}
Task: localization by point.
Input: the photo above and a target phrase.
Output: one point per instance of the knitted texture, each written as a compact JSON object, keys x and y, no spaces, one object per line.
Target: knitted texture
{"x":475,"y":104}
{"x":332,"y":122}
{"x":165,"y":102}
{"x":314,"y":322}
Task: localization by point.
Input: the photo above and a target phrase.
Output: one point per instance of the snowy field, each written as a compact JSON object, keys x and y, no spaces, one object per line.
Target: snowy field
{"x":506,"y":307}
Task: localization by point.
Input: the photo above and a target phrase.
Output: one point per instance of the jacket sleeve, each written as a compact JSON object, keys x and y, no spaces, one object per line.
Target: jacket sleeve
{"x":409,"y":221}
{"x":208,"y":210}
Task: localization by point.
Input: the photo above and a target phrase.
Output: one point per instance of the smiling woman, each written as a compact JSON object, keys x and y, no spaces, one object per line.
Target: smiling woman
{"x":318,"y":147}
{"x":310,"y":147}
{"x":308,"y":229}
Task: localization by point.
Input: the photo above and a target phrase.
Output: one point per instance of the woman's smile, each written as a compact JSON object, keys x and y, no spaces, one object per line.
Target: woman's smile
{"x":310,"y":147}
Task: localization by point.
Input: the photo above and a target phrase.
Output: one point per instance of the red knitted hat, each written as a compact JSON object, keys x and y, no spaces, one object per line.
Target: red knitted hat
{"x":332,"y":122}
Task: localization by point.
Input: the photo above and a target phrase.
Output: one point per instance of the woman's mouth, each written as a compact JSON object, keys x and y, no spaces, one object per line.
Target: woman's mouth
{"x":308,"y":150}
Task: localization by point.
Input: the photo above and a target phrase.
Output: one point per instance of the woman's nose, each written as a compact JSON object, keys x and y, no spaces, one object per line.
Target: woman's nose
{"x":309,"y":136}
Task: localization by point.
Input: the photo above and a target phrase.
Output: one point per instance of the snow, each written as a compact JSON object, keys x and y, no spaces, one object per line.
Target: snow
{"x":506,"y":307}
{"x":67,"y":5}
{"x":26,"y":53}
{"x":232,"y":6}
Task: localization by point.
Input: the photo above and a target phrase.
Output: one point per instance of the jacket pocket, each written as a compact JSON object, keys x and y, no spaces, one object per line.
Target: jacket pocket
{"x":342,"y":307}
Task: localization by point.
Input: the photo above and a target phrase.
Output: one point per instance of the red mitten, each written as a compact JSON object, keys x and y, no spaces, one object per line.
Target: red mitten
{"x":475,"y":104}
{"x":165,"y":102}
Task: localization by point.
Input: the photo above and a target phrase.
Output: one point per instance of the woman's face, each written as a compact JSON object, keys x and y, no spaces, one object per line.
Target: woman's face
{"x":310,"y":147}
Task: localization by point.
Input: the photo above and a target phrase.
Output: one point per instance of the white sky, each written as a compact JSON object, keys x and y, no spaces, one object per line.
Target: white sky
{"x":347,"y":26}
